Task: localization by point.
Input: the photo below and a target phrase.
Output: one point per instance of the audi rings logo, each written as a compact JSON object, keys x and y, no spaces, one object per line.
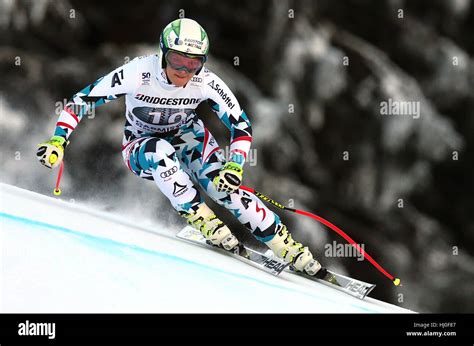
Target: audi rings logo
{"x":169,"y":172}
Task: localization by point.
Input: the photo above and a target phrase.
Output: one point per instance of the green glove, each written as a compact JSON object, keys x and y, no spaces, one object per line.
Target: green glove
{"x":229,"y":178}
{"x":51,"y":153}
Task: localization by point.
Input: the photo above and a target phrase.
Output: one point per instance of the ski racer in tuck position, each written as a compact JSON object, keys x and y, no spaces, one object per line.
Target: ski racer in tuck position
{"x":165,"y":141}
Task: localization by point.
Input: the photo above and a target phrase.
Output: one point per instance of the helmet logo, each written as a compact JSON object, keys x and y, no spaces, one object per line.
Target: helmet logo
{"x":193,"y":43}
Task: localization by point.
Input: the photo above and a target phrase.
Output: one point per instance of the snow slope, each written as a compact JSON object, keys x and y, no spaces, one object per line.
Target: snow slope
{"x":57,"y":256}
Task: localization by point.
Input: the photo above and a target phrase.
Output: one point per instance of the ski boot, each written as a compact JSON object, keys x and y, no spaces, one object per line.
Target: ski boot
{"x":213,"y":229}
{"x":295,"y":253}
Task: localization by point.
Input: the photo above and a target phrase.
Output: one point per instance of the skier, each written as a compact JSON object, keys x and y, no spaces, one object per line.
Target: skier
{"x":165,"y":141}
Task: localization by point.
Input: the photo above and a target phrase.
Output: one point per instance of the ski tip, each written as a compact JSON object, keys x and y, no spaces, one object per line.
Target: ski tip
{"x":396,"y":282}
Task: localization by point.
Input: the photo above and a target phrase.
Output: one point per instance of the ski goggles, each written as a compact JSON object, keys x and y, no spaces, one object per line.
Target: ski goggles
{"x":182,"y":62}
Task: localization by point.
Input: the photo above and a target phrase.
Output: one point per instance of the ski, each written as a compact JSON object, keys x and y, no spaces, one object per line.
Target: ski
{"x":354,"y":287}
{"x":256,"y":259}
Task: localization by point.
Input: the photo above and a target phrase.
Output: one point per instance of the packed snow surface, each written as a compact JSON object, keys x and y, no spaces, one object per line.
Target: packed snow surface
{"x":58,"y":256}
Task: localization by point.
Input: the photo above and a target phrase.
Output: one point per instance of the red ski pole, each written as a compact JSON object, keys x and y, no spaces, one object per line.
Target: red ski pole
{"x":396,"y":281}
{"x":57,"y":190}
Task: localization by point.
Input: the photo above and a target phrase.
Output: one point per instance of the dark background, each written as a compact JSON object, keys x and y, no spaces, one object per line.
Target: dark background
{"x":402,"y":192}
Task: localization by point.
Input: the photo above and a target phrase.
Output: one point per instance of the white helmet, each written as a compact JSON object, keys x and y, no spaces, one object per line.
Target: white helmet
{"x":185,"y":36}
